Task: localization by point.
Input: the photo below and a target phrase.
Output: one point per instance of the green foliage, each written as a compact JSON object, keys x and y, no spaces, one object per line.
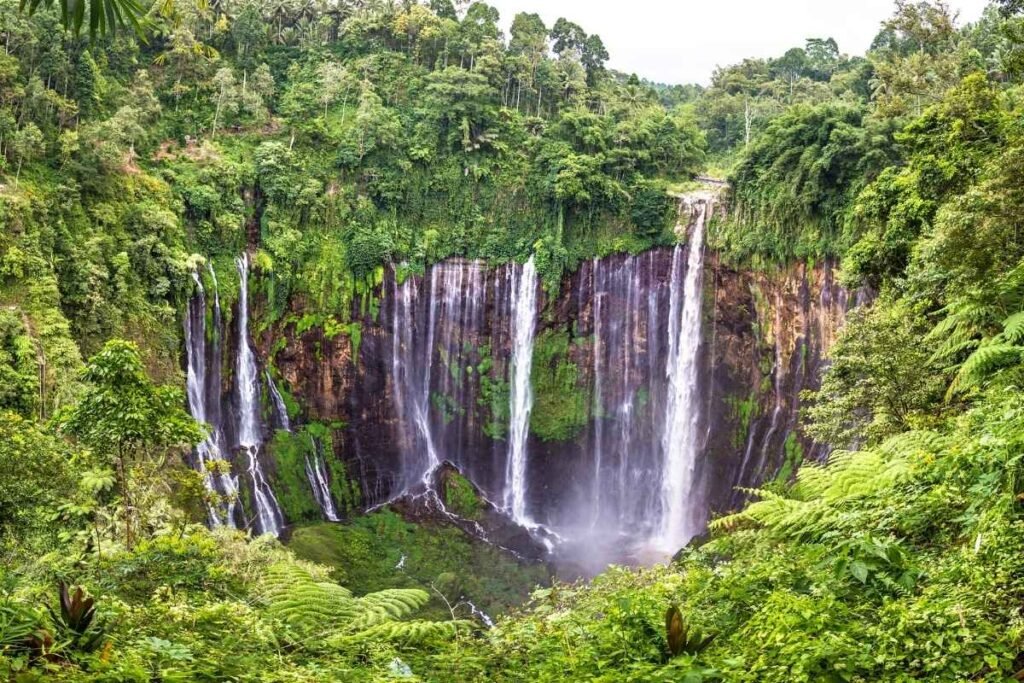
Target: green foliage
{"x":561,"y":405}
{"x":460,"y":497}
{"x":793,"y":186}
{"x":743,"y":412}
{"x":19,"y":375}
{"x":652,"y":210}
{"x":885,"y":564}
{"x":210,"y":606}
{"x":122,"y":413}
{"x":946,"y":148}
{"x":35,"y":478}
{"x":313,"y":610}
{"x":494,"y":393}
{"x":292,"y":452}
{"x":992,"y":354}
{"x":367,"y":554}
{"x":104,"y":15}
{"x":881,"y":380}
{"x":127,"y":420}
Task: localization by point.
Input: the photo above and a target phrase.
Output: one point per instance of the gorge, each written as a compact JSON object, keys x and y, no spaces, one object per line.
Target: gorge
{"x":373,"y":341}
{"x":613,"y":415}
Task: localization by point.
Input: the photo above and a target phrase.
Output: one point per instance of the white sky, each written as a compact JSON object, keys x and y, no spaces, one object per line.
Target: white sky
{"x":683,"y":41}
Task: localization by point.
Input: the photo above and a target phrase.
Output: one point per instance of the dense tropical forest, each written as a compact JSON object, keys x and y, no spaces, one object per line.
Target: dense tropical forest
{"x":347,"y":147}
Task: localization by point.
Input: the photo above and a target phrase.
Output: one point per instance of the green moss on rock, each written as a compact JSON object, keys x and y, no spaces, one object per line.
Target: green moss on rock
{"x":382,"y":550}
{"x":460,"y":497}
{"x":289,"y":451}
{"x":560,"y":406}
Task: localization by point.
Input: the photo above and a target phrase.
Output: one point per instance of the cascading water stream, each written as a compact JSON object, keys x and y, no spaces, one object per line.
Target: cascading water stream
{"x":316,"y":472}
{"x":680,"y":439}
{"x":524,"y":322}
{"x":598,"y":389}
{"x":410,"y":376}
{"x":268,"y":513}
{"x":280,"y":411}
{"x":316,"y":469}
{"x":199,"y":386}
{"x":208,"y":450}
{"x":779,"y":397}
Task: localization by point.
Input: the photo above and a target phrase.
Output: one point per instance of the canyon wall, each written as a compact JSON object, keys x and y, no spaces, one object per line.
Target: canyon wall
{"x":659,"y":385}
{"x":427,"y":380}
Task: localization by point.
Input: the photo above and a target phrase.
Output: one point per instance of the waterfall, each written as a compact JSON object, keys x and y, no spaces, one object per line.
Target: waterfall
{"x":778,"y":397}
{"x":524,"y":323}
{"x":316,"y":469}
{"x":621,"y":304}
{"x":410,"y":376}
{"x":439,"y":335}
{"x":199,"y":389}
{"x":268,"y":513}
{"x":680,"y":442}
{"x":598,"y":388}
{"x":280,"y":411}
{"x":316,"y":472}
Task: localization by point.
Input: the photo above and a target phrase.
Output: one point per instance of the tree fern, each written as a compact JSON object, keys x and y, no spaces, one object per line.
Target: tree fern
{"x":823,"y":497}
{"x":968,"y":327}
{"x":1013,"y":328}
{"x":981,"y":364}
{"x":965,"y":322}
{"x":387,"y":605}
{"x":417,"y":632}
{"x":311,"y":609}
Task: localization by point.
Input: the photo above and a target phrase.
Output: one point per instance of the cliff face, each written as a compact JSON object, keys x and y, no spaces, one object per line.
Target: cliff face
{"x":769,"y":337}
{"x":427,"y":380}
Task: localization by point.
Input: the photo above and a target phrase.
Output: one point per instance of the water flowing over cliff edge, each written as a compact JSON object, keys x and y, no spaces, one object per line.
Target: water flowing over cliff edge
{"x":616,"y":414}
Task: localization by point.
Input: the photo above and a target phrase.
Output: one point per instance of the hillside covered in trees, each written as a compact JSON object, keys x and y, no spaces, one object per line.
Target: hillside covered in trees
{"x":341,"y":150}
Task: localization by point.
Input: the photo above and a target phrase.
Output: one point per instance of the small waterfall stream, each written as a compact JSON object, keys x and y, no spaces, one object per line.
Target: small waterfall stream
{"x":524,"y":323}
{"x":269,"y":519}
{"x":280,"y":411}
{"x":316,"y":472}
{"x":411,"y":369}
{"x":316,"y":469}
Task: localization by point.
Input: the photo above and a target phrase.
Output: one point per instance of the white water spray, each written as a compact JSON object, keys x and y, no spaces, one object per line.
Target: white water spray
{"x":524,"y":322}
{"x":680,"y":442}
{"x":209,"y":450}
{"x":268,"y":512}
{"x":316,"y":472}
{"x":279,"y":408}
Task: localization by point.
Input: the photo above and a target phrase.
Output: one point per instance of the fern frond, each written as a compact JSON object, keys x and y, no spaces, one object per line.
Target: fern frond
{"x":416,"y":632}
{"x":983,"y":362}
{"x":958,"y":341}
{"x":305,"y":605}
{"x":387,"y":605}
{"x":731,"y":522}
{"x":310,"y":609}
{"x":1013,"y":328}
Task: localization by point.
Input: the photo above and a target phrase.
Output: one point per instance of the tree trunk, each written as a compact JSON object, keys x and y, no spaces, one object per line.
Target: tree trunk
{"x":126,"y":503}
{"x":216,"y":115}
{"x":747,"y":119}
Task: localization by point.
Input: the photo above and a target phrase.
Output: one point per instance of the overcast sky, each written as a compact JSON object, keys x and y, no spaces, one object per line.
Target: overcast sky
{"x":682,"y":41}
